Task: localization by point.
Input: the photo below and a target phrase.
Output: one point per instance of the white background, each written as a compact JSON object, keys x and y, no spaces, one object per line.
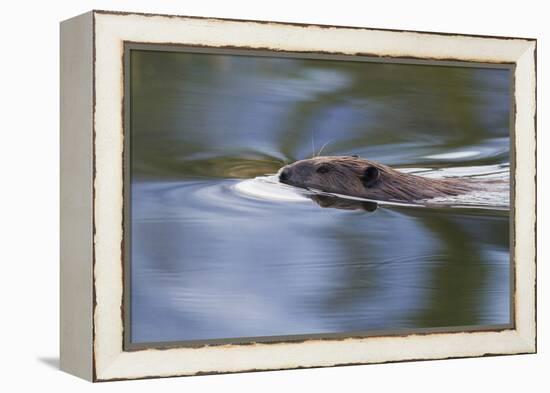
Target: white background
{"x":29,"y":232}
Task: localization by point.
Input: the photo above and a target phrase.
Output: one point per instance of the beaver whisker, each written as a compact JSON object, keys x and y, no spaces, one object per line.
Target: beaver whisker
{"x":322,"y":147}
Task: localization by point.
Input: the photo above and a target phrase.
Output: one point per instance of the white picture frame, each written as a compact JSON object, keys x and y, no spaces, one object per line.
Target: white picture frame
{"x":92,"y":195}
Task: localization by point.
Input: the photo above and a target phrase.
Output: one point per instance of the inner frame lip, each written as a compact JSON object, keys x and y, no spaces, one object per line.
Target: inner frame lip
{"x":129,"y":46}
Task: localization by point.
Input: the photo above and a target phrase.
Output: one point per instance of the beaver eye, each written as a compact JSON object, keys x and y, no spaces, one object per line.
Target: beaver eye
{"x":322,"y":169}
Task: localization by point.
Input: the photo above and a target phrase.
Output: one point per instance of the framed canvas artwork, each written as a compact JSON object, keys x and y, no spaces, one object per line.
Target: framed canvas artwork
{"x":245,"y":195}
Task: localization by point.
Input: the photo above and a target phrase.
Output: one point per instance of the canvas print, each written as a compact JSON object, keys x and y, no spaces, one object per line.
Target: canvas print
{"x":276,"y":197}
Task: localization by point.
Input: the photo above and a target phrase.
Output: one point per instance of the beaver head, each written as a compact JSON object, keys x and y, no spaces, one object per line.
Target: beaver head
{"x":332,"y":174}
{"x":354,"y":176}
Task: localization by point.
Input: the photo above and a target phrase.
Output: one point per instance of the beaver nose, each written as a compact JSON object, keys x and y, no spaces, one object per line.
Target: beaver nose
{"x":284,"y":175}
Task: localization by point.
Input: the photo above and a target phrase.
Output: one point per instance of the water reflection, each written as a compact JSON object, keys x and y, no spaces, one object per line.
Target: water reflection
{"x":342,"y":203}
{"x":216,"y":257}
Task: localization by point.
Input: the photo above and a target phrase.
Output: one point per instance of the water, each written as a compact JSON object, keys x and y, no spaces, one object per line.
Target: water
{"x":220,"y":249}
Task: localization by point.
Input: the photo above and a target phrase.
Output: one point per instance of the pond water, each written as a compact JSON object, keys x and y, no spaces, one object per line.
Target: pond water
{"x":220,"y":249}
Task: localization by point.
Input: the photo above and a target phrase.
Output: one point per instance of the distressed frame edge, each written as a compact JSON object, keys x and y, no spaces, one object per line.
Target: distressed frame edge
{"x":526,"y":340}
{"x":76,"y":196}
{"x":526,"y":179}
{"x":305,"y":25}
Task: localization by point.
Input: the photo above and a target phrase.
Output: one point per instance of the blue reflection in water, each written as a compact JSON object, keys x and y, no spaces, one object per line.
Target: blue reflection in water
{"x":210,"y":263}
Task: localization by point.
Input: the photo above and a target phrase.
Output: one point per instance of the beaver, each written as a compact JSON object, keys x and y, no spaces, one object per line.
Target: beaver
{"x":357,"y":177}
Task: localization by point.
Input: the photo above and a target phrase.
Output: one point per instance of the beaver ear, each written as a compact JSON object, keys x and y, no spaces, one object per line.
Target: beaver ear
{"x":370,"y":176}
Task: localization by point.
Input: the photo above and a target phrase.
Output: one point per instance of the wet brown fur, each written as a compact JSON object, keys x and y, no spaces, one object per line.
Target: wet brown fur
{"x":345,"y":175}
